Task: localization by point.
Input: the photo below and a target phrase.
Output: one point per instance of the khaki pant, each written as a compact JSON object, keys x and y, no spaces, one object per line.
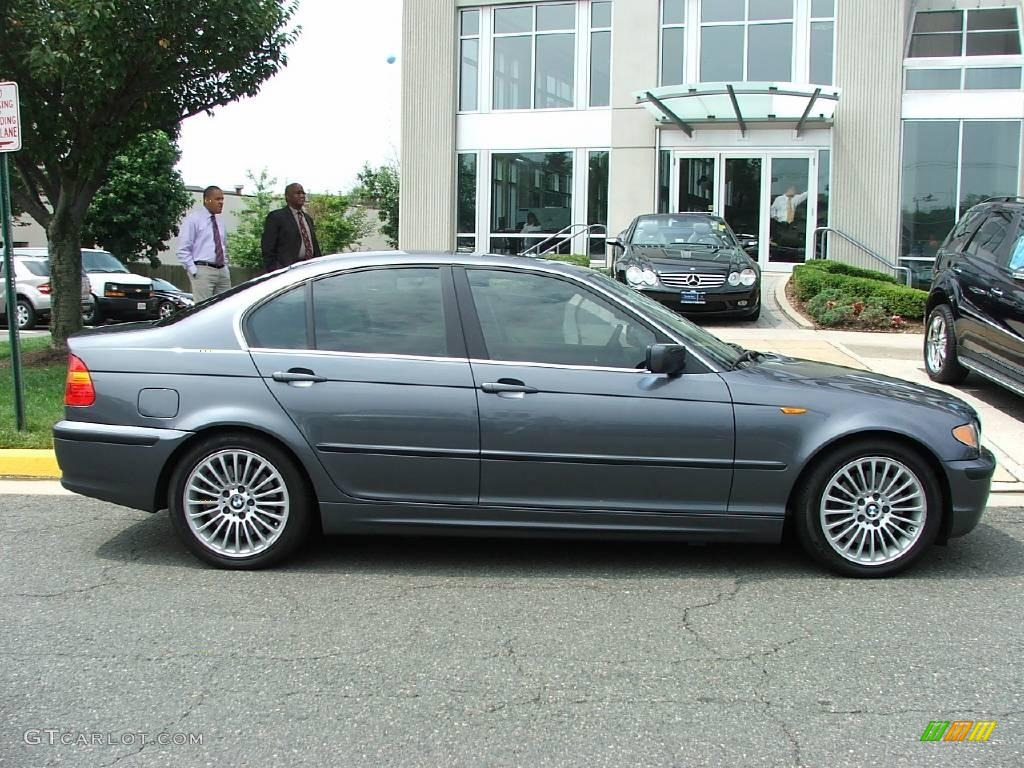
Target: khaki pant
{"x":209,"y":281}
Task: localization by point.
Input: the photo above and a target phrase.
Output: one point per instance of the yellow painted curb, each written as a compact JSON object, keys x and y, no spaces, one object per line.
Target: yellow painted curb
{"x":19,"y":462}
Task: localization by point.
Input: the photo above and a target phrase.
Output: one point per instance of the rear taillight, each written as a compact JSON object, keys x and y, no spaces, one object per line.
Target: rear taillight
{"x":78,"y":389}
{"x":44,"y":289}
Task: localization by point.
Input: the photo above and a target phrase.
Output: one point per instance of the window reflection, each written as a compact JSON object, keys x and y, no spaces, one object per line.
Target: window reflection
{"x":531,"y":198}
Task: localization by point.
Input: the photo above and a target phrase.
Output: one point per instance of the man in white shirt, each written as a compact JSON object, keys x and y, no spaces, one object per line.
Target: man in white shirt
{"x":784,"y":206}
{"x":202,"y":249}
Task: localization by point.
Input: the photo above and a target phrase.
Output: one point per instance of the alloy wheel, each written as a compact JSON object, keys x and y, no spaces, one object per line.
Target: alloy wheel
{"x":937,"y":342}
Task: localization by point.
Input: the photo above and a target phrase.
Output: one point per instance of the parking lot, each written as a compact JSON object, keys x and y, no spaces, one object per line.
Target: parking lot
{"x":370,"y":652}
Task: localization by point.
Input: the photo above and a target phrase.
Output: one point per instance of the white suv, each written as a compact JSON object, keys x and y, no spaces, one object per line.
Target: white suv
{"x":32,"y":289}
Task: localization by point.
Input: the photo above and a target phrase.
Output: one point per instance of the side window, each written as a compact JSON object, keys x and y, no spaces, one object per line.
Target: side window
{"x":990,"y":236}
{"x":280,"y":323}
{"x":962,"y":232}
{"x":543,"y":319}
{"x":394,"y":311}
{"x":1013,"y":258}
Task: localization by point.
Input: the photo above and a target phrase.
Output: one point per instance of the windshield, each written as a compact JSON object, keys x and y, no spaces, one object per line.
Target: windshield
{"x":101,"y":261}
{"x":710,"y":346}
{"x":681,"y":235}
{"x":162,"y":285}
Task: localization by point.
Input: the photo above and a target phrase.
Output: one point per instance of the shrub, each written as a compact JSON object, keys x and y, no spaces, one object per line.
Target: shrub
{"x":826,"y":300}
{"x":841,"y":268}
{"x":839,"y":314}
{"x":579,"y":259}
{"x":811,"y":280}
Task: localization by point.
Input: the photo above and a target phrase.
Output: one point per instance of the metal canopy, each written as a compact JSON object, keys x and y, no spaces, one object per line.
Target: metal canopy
{"x":744,"y":104}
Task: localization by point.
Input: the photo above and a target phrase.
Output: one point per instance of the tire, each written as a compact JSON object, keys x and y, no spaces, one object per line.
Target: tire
{"x":940,"y":355}
{"x":851,"y":490}
{"x":229,"y":536}
{"x":166,"y":309}
{"x":25,"y":315}
{"x":95,"y":315}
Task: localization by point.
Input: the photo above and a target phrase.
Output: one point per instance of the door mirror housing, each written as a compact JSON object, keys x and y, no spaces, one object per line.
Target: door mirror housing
{"x":669,"y":359}
{"x":615,"y":242}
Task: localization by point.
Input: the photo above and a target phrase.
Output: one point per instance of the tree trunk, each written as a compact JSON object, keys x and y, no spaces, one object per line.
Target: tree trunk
{"x":64,"y":236}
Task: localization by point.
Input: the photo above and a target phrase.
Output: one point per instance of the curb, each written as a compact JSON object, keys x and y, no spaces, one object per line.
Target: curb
{"x":18,"y":462}
{"x":787,"y":309}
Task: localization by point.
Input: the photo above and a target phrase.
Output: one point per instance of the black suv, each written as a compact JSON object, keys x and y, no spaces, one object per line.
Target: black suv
{"x":975,"y":306}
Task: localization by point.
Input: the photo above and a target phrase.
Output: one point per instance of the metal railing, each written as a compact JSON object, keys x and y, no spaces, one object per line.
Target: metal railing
{"x":552,"y":243}
{"x":857,"y":243}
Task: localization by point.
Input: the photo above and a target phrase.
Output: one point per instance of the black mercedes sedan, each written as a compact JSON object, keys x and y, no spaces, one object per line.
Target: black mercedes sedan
{"x":690,"y":262}
{"x":456,"y":393}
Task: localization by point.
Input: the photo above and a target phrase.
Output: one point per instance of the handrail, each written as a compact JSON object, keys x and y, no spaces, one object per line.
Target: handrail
{"x":558,"y":238}
{"x":854,"y":241}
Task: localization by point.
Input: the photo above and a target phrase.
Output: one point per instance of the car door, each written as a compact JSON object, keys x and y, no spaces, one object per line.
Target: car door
{"x":569,"y":416}
{"x":1006,"y":305}
{"x":976,"y":271}
{"x":371,"y":367}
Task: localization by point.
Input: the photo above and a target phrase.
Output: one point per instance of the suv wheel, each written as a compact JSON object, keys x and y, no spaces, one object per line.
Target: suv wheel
{"x":25,"y":315}
{"x":93,"y":316}
{"x":940,"y":357}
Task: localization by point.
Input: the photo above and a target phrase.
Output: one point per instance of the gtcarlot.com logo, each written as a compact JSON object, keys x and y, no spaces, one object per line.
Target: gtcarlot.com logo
{"x":54,"y":737}
{"x":958,"y":730}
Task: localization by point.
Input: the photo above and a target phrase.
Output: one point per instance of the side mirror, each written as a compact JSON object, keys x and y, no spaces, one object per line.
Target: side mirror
{"x":669,"y":359}
{"x":615,"y":241}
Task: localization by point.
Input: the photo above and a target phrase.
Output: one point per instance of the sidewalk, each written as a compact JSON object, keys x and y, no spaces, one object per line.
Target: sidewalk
{"x":784,"y":331}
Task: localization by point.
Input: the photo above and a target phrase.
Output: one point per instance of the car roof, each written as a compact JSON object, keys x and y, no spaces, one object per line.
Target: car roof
{"x":680,"y":215}
{"x":398,"y":258}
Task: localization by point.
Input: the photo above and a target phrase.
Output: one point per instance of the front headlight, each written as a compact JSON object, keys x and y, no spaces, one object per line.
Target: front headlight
{"x":636,"y":276}
{"x":748,"y":277}
{"x":733,"y":279}
{"x":968,"y":435}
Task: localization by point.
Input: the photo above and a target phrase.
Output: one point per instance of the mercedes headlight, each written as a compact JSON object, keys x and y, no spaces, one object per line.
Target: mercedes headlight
{"x":733,"y":279}
{"x":748,"y":277}
{"x":636,"y":277}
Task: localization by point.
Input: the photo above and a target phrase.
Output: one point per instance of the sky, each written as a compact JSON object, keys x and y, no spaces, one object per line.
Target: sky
{"x":332,"y":109}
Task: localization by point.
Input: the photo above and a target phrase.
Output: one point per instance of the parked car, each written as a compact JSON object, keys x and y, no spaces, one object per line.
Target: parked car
{"x":692,"y":263}
{"x":451,"y":393}
{"x":117,"y":293}
{"x":975,"y":306}
{"x":32,"y":290}
{"x":170,"y":298}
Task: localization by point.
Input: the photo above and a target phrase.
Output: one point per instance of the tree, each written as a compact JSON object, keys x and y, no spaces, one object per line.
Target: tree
{"x":379,"y":186}
{"x":339,"y":223}
{"x":95,"y":74}
{"x":142,"y":201}
{"x":244,"y":242}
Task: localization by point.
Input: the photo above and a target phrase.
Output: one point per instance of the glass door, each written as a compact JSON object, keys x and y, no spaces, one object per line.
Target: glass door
{"x":741,"y":200}
{"x":792,"y":210}
{"x":696,"y":184}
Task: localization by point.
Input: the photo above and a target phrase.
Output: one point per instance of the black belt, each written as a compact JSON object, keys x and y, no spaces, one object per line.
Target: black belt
{"x":207,"y":264}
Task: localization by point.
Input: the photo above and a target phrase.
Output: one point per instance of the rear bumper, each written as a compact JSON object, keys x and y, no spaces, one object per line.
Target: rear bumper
{"x":969,"y":485}
{"x":122,"y":465}
{"x":129,"y":308}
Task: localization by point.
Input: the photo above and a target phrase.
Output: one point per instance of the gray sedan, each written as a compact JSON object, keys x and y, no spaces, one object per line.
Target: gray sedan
{"x":447,"y":394}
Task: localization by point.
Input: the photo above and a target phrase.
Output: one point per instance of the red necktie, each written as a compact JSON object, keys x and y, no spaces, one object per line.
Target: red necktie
{"x":218,"y":247}
{"x":307,"y":244}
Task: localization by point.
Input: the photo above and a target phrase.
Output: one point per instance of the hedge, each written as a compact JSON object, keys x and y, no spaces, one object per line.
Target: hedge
{"x":841,"y":268}
{"x":579,"y":259}
{"x":813,"y":278}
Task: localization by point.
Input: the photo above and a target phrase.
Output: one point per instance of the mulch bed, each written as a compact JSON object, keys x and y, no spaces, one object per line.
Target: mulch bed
{"x":909,"y":326}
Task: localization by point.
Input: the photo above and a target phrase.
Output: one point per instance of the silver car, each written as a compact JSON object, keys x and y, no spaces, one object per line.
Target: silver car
{"x":32,"y":288}
{"x":440,"y":393}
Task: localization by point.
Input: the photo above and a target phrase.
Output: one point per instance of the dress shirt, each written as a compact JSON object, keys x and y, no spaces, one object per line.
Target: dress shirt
{"x":778,"y":210}
{"x":196,"y":243}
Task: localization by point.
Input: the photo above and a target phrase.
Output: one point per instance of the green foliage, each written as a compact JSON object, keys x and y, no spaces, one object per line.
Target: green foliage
{"x":811,"y":280}
{"x":141,"y":202}
{"x":379,"y":187}
{"x":43,"y":390}
{"x":579,"y":259}
{"x":339,"y":223}
{"x":96,"y":74}
{"x":244,"y":242}
{"x":841,"y":268}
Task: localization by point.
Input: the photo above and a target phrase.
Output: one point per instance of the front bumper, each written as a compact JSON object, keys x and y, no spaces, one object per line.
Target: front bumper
{"x":717,"y":301}
{"x":129,"y":308}
{"x":119,"y":464}
{"x":969,"y":485}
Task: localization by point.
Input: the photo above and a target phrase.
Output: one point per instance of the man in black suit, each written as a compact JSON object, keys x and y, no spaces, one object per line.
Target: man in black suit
{"x":288,"y":233}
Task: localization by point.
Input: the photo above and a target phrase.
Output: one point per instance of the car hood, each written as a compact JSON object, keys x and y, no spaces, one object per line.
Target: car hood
{"x":780,"y":380}
{"x":126,"y":278}
{"x":663,"y":260}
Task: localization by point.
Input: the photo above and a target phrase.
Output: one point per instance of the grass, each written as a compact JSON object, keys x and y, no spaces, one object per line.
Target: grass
{"x":42,"y":379}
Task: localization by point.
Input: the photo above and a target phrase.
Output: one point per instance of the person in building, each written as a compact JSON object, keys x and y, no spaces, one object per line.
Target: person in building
{"x":288,"y":233}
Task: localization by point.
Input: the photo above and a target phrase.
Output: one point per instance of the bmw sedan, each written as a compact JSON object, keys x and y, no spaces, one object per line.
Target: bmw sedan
{"x":443,"y":394}
{"x":691,"y":263}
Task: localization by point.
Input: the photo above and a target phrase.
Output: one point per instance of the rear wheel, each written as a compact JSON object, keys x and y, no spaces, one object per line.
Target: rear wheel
{"x":239,"y":501}
{"x":25,"y":315}
{"x":940,"y":356}
{"x":869,"y":510}
{"x":93,"y":316}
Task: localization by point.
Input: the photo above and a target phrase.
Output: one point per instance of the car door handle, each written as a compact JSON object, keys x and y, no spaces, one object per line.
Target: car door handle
{"x":298,"y":376}
{"x":996,"y":291}
{"x":508,"y":386}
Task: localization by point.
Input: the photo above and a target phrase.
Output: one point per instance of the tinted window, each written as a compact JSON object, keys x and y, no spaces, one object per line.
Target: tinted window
{"x":280,"y":323}
{"x":543,"y":319}
{"x":395,"y":311}
{"x":990,"y":237}
{"x":37,"y":267}
{"x":962,"y":232}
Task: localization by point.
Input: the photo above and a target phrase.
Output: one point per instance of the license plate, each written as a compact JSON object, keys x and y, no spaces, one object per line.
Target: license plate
{"x":141,"y":305}
{"x":691,"y":297}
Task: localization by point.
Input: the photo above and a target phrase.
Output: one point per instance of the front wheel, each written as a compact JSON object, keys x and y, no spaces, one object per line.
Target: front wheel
{"x":239,"y":502}
{"x":869,"y":510}
{"x":93,"y":315}
{"x":940,"y":356}
{"x":166,"y":309}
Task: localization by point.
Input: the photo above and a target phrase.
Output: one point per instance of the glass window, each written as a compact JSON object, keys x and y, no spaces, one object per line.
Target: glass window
{"x":824,"y":167}
{"x":822,"y":9}
{"x":990,"y":236}
{"x":991,"y":18}
{"x":664,"y":179}
{"x":530,"y":193}
{"x":1014,"y":256}
{"x":513,"y":72}
{"x":555,"y":59}
{"x":513,"y":20}
{"x":989,"y":165}
{"x":770,"y":52}
{"x":963,"y":230}
{"x":470,"y":23}
{"x":929,"y":185}
{"x":993,"y":43}
{"x":718,"y":49}
{"x":673,"y":11}
{"x":468,"y":74}
{"x":600,"y":68}
{"x":551,"y":18}
{"x":466,"y":214}
{"x":597,"y":201}
{"x":544,"y":319}
{"x":933,"y":79}
{"x":976,"y":32}
{"x":761,"y":10}
{"x":992,"y":78}
{"x":280,"y":323}
{"x":821,"y":53}
{"x":722,"y":10}
{"x":397,"y":311}
{"x":601,"y":14}
{"x":672,"y":61}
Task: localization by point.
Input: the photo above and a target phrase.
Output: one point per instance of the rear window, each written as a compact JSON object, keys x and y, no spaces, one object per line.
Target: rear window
{"x":37,"y":267}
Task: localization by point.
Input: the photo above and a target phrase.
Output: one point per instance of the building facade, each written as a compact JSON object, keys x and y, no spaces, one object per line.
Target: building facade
{"x":882,"y":119}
